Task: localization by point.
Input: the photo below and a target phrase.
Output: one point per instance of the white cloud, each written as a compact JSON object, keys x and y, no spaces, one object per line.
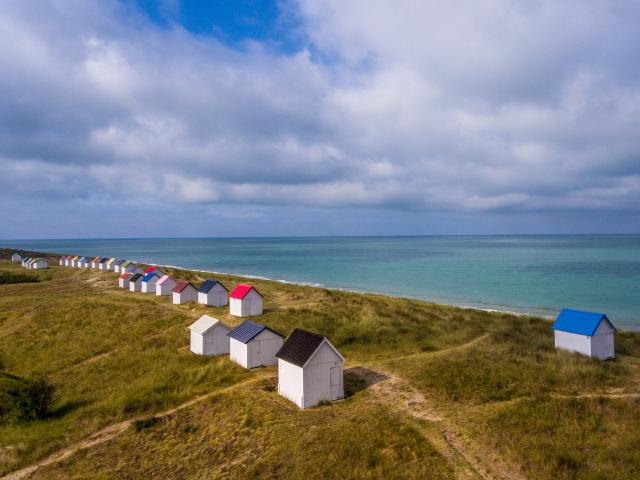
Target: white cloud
{"x":424,"y":106}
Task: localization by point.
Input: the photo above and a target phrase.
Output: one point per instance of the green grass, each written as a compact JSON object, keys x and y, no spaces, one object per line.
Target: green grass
{"x":115,"y":355}
{"x":569,"y":438}
{"x":253,"y":433}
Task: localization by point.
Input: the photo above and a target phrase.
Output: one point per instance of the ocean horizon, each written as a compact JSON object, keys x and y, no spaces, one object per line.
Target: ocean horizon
{"x":527,"y":274}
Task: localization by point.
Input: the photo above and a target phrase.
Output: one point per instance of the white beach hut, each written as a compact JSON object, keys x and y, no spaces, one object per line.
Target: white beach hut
{"x":130,"y":267}
{"x":209,"y":336}
{"x":310,"y":369}
{"x":39,"y":263}
{"x":102,"y":264}
{"x":149,"y":282}
{"x":135,"y":282}
{"x":254,"y":345}
{"x":587,"y":333}
{"x":24,"y":262}
{"x":15,"y":258}
{"x":30,"y":263}
{"x":116,"y":265}
{"x":95,"y":261}
{"x":109,"y":263}
{"x":245,"y":301}
{"x":69,"y":261}
{"x":184,"y":292}
{"x":61,"y":260}
{"x":165,"y":286}
{"x":123,"y":280}
{"x":79,"y":263}
{"x":212,"y":293}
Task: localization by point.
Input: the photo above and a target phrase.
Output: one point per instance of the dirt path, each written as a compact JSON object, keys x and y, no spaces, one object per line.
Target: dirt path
{"x":467,"y":459}
{"x":116,"y":429}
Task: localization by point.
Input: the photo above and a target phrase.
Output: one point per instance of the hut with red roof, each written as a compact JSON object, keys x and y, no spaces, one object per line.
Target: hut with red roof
{"x":245,"y":301}
{"x":123,"y":280}
{"x":184,"y":292}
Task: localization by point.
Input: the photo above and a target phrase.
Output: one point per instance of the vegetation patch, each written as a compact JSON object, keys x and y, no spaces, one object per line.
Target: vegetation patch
{"x":144,"y":423}
{"x":554,"y":438}
{"x":24,"y":399}
{"x":7,"y":278}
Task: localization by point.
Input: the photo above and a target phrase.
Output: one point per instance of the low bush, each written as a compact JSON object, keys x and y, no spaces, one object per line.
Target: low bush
{"x":7,"y":278}
{"x":25,"y":399}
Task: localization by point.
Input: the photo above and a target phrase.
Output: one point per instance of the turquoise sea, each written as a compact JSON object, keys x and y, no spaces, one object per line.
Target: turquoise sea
{"x":528,"y":274}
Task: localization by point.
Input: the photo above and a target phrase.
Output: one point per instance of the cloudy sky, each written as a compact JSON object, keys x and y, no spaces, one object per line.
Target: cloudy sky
{"x":187,"y":118}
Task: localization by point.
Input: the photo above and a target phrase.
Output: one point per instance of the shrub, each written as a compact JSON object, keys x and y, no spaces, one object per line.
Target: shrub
{"x":6,"y":278}
{"x":144,"y":423}
{"x":35,"y":399}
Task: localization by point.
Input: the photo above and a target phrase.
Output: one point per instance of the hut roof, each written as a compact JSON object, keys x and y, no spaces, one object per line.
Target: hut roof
{"x":163,"y":279}
{"x":209,"y":284}
{"x":149,"y":276}
{"x":300,"y":346}
{"x":205,"y":323}
{"x":135,"y":277}
{"x":181,"y":285}
{"x":242,"y":290}
{"x":125,"y":275}
{"x":248,"y":330}
{"x":577,"y":321}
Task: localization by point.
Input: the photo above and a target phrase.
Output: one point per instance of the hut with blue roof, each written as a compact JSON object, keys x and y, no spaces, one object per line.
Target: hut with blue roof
{"x":254,"y":345}
{"x":588,"y":333}
{"x":213,"y":293}
{"x":149,"y":281}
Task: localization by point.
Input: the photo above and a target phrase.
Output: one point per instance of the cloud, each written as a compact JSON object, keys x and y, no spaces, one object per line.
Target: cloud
{"x":456,"y":108}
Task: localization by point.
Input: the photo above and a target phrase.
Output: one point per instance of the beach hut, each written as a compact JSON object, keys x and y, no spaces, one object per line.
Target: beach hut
{"x":61,"y":260}
{"x":87,"y":262}
{"x":135,"y":282}
{"x":79,"y":263}
{"x":184,"y":292}
{"x":95,"y":261}
{"x":245,"y":301}
{"x":310,"y":369}
{"x":130,"y":267}
{"x":15,"y":258}
{"x":109,"y":263}
{"x":254,"y":345}
{"x":24,"y":261}
{"x":588,"y":333}
{"x":102,"y":264}
{"x":165,"y":285}
{"x":149,"y":282}
{"x":30,"y":263}
{"x":212,"y":293}
{"x":123,"y":280}
{"x":116,"y":265}
{"x":72,"y":263}
{"x":69,"y":261}
{"x":209,"y":336}
{"x":39,"y":263}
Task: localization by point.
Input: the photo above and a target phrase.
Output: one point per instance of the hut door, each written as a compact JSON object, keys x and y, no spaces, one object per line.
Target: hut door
{"x":254,"y":355}
{"x":609,"y":345}
{"x":336,"y":383}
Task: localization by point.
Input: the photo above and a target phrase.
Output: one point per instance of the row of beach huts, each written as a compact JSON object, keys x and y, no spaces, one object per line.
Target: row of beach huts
{"x":310,"y":368}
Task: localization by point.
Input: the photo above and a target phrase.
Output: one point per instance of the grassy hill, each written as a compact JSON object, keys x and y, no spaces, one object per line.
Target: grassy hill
{"x":433,"y":391}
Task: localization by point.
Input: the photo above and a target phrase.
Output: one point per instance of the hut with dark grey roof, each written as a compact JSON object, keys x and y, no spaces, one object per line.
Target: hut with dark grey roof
{"x":254,"y":345}
{"x":209,"y":336}
{"x":213,"y":293}
{"x":16,"y":258}
{"x":310,"y":369}
{"x":116,"y":265}
{"x":135,"y":282}
{"x":102,"y":264}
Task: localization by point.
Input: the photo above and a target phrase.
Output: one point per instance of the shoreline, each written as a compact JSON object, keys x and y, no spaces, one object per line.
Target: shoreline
{"x":361,"y":292}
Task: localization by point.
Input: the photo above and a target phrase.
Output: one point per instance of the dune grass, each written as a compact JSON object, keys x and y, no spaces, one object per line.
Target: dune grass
{"x":253,"y":433}
{"x":116,"y":355}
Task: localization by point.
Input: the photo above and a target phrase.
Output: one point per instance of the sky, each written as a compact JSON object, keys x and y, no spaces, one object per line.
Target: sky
{"x":169,"y":118}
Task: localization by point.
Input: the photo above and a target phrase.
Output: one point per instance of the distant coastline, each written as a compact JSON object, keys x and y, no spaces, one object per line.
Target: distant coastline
{"x":525,"y":275}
